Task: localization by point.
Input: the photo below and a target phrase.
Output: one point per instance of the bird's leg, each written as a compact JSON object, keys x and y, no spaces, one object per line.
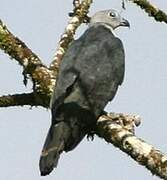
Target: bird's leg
{"x":90,"y":135}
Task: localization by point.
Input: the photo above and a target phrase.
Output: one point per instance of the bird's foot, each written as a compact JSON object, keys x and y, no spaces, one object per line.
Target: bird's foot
{"x":90,"y":136}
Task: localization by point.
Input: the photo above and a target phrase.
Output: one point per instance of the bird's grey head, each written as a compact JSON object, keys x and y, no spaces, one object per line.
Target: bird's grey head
{"x":109,"y":17}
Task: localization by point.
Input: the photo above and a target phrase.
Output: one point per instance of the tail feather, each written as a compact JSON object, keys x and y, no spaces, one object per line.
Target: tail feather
{"x":72,"y":123}
{"x":53,"y":147}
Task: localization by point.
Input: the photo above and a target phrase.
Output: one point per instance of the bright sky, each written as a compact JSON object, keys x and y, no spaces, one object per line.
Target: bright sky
{"x":22,"y":130}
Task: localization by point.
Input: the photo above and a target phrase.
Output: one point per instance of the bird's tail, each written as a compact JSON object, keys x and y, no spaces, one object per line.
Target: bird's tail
{"x":72,"y":123}
{"x":53,"y":147}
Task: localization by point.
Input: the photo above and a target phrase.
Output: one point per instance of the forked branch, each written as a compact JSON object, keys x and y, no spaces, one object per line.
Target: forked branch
{"x":42,"y":78}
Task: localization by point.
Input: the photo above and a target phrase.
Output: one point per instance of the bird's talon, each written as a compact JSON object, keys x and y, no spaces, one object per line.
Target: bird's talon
{"x":90,"y":136}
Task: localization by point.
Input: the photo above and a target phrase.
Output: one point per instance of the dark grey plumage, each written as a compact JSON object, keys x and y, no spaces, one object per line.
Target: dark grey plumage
{"x":89,"y":75}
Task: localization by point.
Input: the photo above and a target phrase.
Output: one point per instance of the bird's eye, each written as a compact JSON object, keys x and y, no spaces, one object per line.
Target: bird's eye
{"x":112,"y":14}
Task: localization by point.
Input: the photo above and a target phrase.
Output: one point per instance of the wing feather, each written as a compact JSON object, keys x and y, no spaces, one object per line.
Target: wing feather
{"x":96,"y":60}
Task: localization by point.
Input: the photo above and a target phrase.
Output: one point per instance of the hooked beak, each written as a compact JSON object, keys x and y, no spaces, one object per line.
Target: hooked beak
{"x":124,"y":22}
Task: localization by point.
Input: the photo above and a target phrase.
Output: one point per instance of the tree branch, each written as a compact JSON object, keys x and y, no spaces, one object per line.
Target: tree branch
{"x":19,"y":100}
{"x":16,"y":49}
{"x":78,"y":16}
{"x":42,"y":78}
{"x":76,"y":3}
{"x":151,"y":10}
{"x":118,"y":129}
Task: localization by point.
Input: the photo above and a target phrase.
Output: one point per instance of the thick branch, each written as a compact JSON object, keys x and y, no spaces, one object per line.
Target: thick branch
{"x":41,"y":76}
{"x":115,"y":129}
{"x":152,"y":10}
{"x":79,"y":15}
{"x":19,"y":100}
{"x":17,"y":49}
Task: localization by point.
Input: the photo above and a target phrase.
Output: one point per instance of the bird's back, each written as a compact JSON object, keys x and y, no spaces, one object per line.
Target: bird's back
{"x":96,"y":62}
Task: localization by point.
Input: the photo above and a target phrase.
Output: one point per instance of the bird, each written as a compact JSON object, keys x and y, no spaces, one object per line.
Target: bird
{"x":88,"y":78}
